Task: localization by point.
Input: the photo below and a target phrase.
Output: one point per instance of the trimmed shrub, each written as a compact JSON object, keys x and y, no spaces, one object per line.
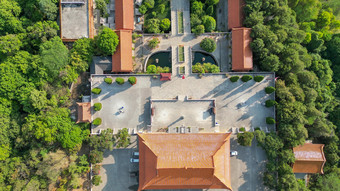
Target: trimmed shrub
{"x":199,"y":29}
{"x":258,"y":78}
{"x":270,"y":89}
{"x":245,"y":138}
{"x":165,"y":24}
{"x":132,"y":80}
{"x":97,"y":106}
{"x":208,"y":44}
{"x":270,"y":103}
{"x":97,"y":121}
{"x":96,"y":90}
{"x":96,"y":180}
{"x":257,"y":128}
{"x":234,"y":78}
{"x":153,"y":43}
{"x":209,"y":23}
{"x":242,"y":129}
{"x":270,"y":120}
{"x":120,"y":81}
{"x":108,"y":80}
{"x":96,"y":169}
{"x":246,"y":78}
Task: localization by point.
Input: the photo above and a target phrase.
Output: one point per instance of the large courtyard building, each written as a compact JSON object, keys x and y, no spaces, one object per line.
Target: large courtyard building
{"x":184,"y":161}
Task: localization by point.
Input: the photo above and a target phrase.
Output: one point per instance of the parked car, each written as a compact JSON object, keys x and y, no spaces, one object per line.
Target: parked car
{"x":136,"y":154}
{"x":134,"y":160}
{"x":233,"y":153}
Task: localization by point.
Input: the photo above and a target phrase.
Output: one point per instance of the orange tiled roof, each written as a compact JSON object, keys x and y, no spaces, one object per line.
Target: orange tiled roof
{"x":235,"y":13}
{"x":309,"y":158}
{"x":84,"y":112}
{"x":124,"y":14}
{"x":242,"y":55}
{"x":184,"y":161}
{"x":165,"y":76}
{"x":122,"y":58}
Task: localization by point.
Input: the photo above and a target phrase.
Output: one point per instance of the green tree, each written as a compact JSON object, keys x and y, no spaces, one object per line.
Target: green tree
{"x":149,"y":3}
{"x":9,"y":45}
{"x":49,"y":9}
{"x":9,"y":17}
{"x":245,"y":138}
{"x":123,"y":138}
{"x":198,"y":30}
{"x":54,"y":57}
{"x":197,"y":8}
{"x":143,"y":9}
{"x":152,"y":26}
{"x":165,"y":24}
{"x":40,"y":32}
{"x":209,"y":23}
{"x":208,"y":45}
{"x":96,"y":180}
{"x":212,"y":2}
{"x":102,"y":7}
{"x":153,"y":43}
{"x":84,"y":47}
{"x":107,"y":41}
{"x":103,"y":141}
{"x":327,"y":182}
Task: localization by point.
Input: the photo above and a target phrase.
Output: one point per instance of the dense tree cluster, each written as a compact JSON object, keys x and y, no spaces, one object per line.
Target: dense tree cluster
{"x":157,"y":15}
{"x":203,"y":14}
{"x":296,"y":43}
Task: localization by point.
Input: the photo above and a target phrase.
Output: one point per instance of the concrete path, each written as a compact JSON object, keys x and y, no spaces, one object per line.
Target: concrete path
{"x":184,"y":6}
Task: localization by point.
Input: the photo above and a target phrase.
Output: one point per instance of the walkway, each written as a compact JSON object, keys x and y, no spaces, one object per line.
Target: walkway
{"x":176,"y":6}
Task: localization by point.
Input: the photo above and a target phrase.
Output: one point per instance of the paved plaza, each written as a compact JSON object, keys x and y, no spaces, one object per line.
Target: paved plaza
{"x":74,"y":21}
{"x":239,"y":104}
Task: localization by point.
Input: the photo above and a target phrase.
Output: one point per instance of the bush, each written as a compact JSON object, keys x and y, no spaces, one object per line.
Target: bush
{"x":149,"y":3}
{"x":96,"y":90}
{"x":270,"y":103}
{"x":246,"y":78}
{"x":258,"y":78}
{"x":210,"y":10}
{"x":205,"y":68}
{"x":101,"y":6}
{"x":208,"y":44}
{"x":153,"y":43}
{"x":97,"y":121}
{"x":107,"y":41}
{"x":108,"y":80}
{"x":97,"y":106}
{"x":165,"y":24}
{"x":132,"y":80}
{"x":96,"y":180}
{"x":270,"y":89}
{"x":209,"y":23}
{"x":245,"y":138}
{"x":96,"y":156}
{"x":242,"y":129}
{"x":234,"y":78}
{"x":120,"y":81}
{"x":270,"y":120}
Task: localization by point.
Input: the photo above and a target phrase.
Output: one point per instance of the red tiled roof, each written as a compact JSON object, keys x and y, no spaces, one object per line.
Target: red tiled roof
{"x":124,"y":14}
{"x":235,"y":13}
{"x":122,"y":58}
{"x":84,"y":112}
{"x":242,"y":55}
{"x":165,"y":76}
{"x":184,"y":161}
{"x":309,"y":158}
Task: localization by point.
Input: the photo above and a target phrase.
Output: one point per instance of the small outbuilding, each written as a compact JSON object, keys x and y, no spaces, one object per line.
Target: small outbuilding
{"x":84,"y":112}
{"x":309,"y":158}
{"x":165,"y":76}
{"x":242,"y":55}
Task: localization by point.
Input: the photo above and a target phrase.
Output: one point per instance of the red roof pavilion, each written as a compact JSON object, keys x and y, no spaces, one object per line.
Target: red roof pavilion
{"x":309,"y":158}
{"x":84,"y":112}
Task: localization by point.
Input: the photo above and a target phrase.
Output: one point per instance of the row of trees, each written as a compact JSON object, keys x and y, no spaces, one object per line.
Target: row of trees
{"x":295,"y":47}
{"x":157,"y":15}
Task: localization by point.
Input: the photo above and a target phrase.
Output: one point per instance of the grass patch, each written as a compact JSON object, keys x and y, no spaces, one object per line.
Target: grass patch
{"x":181,"y":53}
{"x":180,"y":22}
{"x":181,"y":69}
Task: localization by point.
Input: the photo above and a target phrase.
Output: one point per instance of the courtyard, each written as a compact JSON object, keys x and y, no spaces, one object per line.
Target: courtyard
{"x":238,"y":104}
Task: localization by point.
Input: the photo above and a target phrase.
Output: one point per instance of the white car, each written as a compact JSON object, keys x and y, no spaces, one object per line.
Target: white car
{"x":134,"y":160}
{"x":135,"y":153}
{"x":233,"y":153}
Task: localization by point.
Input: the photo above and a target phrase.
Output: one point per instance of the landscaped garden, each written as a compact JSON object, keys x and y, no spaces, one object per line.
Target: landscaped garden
{"x":180,"y":22}
{"x":157,"y":15}
{"x":161,"y":61}
{"x":203,"y":14}
{"x":181,"y":53}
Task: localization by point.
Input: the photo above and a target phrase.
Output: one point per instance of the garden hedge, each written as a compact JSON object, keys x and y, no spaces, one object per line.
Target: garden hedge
{"x":270,"y":120}
{"x":97,"y":106}
{"x":97,"y":121}
{"x":120,"y":81}
{"x":246,"y":78}
{"x":132,"y":80}
{"x":258,"y":78}
{"x":108,"y":80}
{"x":270,"y":89}
{"x":234,"y":78}
{"x":96,"y":90}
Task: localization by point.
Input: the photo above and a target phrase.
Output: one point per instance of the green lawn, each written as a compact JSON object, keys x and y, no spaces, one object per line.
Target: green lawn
{"x":180,"y":22}
{"x":181,"y":53}
{"x":182,"y":70}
